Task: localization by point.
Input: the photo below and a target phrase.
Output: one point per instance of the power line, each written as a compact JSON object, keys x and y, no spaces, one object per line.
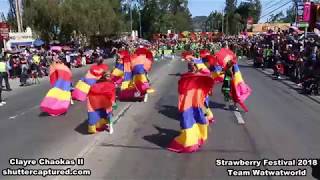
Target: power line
{"x":272,"y":5}
{"x":275,"y":9}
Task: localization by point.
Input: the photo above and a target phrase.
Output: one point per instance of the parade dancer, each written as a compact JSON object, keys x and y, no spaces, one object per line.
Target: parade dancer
{"x":193,"y":89}
{"x":58,"y":99}
{"x":95,"y":72}
{"x":198,"y":66}
{"x":233,"y":86}
{"x":136,"y":85}
{"x":101,"y":99}
{"x":117,"y":73}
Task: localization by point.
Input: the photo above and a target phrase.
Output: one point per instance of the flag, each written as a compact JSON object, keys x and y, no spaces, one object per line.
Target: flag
{"x":117,"y":73}
{"x":148,"y":54}
{"x":215,"y":68}
{"x":193,"y":90}
{"x":224,"y":56}
{"x":216,"y":73}
{"x":83,"y":85}
{"x":128,"y":90}
{"x":201,"y":66}
{"x":139,"y":71}
{"x":57,"y":100}
{"x":239,"y":89}
{"x":101,"y":97}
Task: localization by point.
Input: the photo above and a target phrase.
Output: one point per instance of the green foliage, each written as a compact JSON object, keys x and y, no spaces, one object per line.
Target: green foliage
{"x":62,"y":19}
{"x":11,"y":18}
{"x":214,"y":22}
{"x":235,"y":18}
{"x":58,"y":19}
{"x":162,"y":15}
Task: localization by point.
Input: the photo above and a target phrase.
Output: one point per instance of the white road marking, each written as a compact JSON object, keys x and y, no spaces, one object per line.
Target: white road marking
{"x":24,"y":112}
{"x":98,"y":137}
{"x":239,"y":117}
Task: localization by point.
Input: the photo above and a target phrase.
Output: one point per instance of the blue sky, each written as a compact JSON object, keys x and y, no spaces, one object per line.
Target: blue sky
{"x":204,"y":7}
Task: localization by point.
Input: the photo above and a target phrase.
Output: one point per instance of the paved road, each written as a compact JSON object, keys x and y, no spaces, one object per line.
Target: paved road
{"x":281,"y":124}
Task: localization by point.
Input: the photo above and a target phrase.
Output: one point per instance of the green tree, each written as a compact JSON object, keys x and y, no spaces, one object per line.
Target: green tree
{"x":11,"y":17}
{"x":57,"y":19}
{"x":214,"y":21}
{"x":231,"y":7}
{"x":248,"y":9}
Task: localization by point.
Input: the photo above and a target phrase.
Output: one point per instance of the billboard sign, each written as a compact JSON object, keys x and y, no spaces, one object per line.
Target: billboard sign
{"x":4,"y":31}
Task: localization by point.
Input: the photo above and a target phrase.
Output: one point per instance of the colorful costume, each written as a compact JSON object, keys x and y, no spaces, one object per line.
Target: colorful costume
{"x":193,"y":90}
{"x":101,"y":98}
{"x":117,"y":74}
{"x":57,"y":100}
{"x":83,"y":86}
{"x":239,"y":89}
{"x":201,"y":66}
{"x":136,"y":84}
{"x":233,"y":86}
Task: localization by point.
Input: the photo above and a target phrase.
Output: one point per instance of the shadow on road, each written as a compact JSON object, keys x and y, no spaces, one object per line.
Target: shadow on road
{"x":83,"y":128}
{"x":177,"y":74}
{"x":171,"y":112}
{"x":163,"y":138}
{"x":43,"y":114}
{"x":290,"y":86}
{"x":130,"y":147}
{"x":216,"y":105}
{"x":244,"y":66}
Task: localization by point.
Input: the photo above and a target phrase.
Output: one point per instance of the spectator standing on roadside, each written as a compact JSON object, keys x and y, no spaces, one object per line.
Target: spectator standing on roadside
{"x":68,"y":59}
{"x":3,"y":75}
{"x":24,"y":71}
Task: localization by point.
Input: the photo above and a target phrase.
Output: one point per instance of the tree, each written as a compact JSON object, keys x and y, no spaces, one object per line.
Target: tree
{"x":89,"y":18}
{"x":277,"y":17}
{"x":158,"y":16}
{"x":231,"y":7}
{"x":11,"y":17}
{"x":248,"y":9}
{"x":214,"y":21}
{"x":290,"y":15}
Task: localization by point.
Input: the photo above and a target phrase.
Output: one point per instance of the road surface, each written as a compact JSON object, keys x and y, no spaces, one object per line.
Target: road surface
{"x":281,"y":123}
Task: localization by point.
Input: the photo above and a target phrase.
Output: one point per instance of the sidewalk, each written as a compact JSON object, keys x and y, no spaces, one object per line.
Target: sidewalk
{"x":285,"y":80}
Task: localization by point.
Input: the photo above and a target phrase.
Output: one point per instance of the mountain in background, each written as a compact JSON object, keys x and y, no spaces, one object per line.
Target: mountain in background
{"x":198,"y":23}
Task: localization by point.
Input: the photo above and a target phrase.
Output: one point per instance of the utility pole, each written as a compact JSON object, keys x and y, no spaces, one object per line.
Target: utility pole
{"x":131,"y":15}
{"x":222,"y":21}
{"x":227,"y":24}
{"x":17,"y":4}
{"x":140,"y":23}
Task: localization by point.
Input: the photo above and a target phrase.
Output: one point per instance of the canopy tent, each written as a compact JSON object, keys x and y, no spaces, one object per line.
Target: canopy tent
{"x":56,"y":48}
{"x":38,"y":42}
{"x":16,"y":44}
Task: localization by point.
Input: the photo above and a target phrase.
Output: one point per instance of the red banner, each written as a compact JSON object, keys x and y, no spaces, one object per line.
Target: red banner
{"x":307,"y":11}
{"x":4,"y":31}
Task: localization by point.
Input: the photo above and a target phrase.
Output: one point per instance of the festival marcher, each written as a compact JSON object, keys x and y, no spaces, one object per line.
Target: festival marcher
{"x":233,"y":86}
{"x":24,"y":71}
{"x":3,"y":76}
{"x":101,"y":99}
{"x":5,"y":72}
{"x":95,"y":72}
{"x":58,"y":99}
{"x":193,"y":89}
{"x":117,"y":74}
{"x":135,"y":85}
